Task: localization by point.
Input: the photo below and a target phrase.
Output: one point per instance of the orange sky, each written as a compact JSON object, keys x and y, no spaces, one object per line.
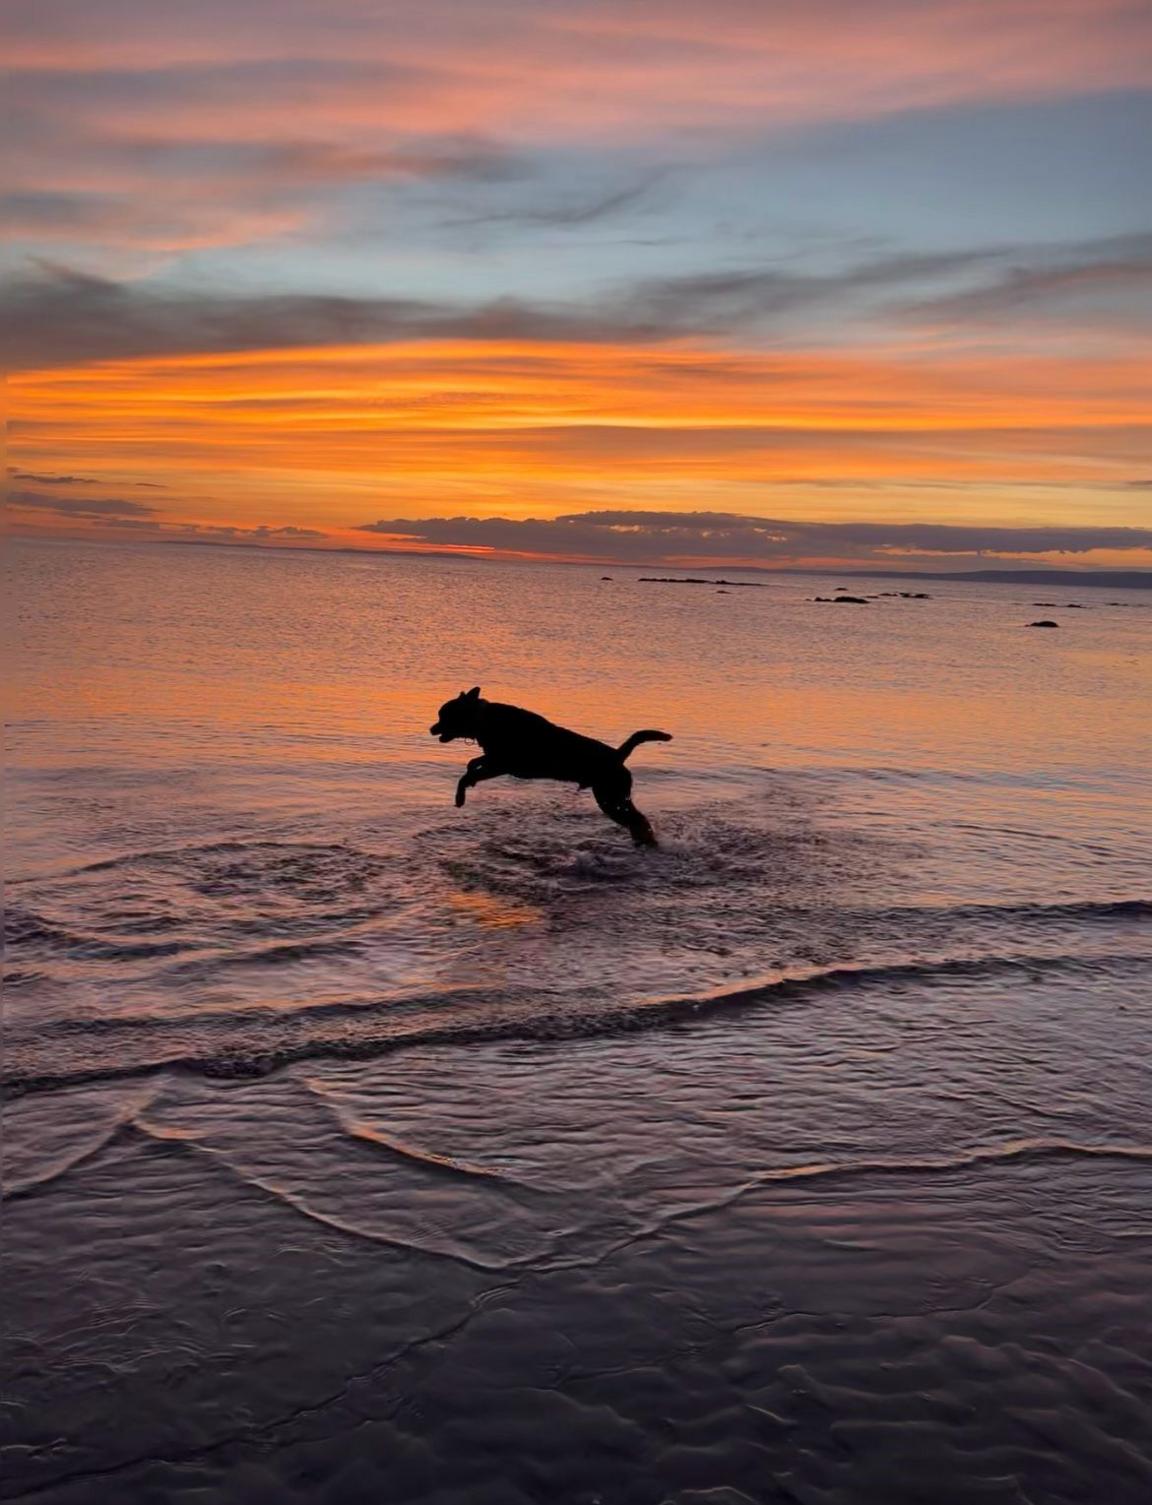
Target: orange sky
{"x":331,"y":437}
{"x":290,"y":272}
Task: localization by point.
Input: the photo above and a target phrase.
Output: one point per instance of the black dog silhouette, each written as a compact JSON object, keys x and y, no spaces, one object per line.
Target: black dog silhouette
{"x":528,"y":746}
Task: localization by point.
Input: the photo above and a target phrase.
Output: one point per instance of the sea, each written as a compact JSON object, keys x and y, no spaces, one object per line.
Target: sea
{"x":361,"y":1148}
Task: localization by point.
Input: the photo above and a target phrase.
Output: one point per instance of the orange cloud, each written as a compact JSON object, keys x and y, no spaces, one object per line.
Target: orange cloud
{"x":326,"y":437}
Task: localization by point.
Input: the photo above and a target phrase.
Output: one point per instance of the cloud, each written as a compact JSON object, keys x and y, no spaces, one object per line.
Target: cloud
{"x":299,"y":162}
{"x":42,"y":480}
{"x":534,"y":428}
{"x":728,"y":299}
{"x":235,"y":533}
{"x":222,"y":124}
{"x":57,"y":315}
{"x":584,"y":210}
{"x":548,"y":67}
{"x":653,"y":537}
{"x":1002,"y":281}
{"x":53,"y":480}
{"x":86,"y":507}
{"x":225,"y":193}
{"x":164,"y":216}
{"x":262,"y":532}
{"x":60,"y":316}
{"x":1107,"y":279}
{"x":122,"y":513}
{"x":90,"y":517}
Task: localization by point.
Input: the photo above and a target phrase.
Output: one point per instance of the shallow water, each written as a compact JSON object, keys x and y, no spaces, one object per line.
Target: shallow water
{"x":386,"y":1151}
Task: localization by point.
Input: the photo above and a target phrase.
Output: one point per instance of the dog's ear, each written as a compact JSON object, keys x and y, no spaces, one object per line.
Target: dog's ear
{"x":473,"y":693}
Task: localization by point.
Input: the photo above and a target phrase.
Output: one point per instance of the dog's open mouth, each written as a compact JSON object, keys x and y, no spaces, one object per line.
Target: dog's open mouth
{"x":438,"y":731}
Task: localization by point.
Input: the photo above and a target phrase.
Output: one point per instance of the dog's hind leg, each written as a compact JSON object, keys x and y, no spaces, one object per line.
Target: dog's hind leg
{"x":614,"y":796}
{"x":477,"y":771}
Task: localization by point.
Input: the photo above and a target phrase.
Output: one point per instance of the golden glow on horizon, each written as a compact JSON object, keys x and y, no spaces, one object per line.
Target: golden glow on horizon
{"x":330,"y":438}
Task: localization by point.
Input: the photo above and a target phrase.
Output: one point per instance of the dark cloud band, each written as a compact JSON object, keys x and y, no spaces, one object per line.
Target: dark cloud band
{"x":649,"y":537}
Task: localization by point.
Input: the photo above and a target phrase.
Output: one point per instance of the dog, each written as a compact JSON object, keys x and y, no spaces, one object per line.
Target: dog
{"x":528,"y":746}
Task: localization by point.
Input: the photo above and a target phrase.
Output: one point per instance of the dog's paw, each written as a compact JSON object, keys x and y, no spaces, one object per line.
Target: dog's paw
{"x":459,"y":799}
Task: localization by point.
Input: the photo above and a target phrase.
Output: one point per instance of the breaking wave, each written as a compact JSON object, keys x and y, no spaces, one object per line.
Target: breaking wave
{"x":256,"y":1041}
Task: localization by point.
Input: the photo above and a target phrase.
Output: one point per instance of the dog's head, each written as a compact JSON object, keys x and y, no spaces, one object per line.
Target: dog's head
{"x":457,"y":717}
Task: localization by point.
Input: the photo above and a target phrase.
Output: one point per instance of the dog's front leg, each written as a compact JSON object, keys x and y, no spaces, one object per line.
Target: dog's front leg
{"x":467,"y":779}
{"x":477,"y":771}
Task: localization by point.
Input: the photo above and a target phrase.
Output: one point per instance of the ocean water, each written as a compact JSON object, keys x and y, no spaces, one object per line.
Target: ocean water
{"x":363,"y":1148}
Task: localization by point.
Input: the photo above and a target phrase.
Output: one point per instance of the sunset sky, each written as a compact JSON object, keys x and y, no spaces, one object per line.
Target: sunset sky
{"x":777,"y":282}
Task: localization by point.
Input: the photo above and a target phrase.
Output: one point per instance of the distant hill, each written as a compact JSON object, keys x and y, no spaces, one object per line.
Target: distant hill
{"x":1113,"y":579}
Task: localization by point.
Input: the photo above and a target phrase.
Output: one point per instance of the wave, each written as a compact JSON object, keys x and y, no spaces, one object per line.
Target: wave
{"x":391,"y":1024}
{"x":1074,"y":909}
{"x":1016,"y":1149}
{"x":400,"y":1149}
{"x":274,"y":1191}
{"x":221,"y":899}
{"x":206,"y":898}
{"x":196,"y":851}
{"x":23,"y":927}
{"x":991,"y":1155}
{"x":122,"y":1121}
{"x":133,"y":1122}
{"x":26,"y":928}
{"x":277,"y":955}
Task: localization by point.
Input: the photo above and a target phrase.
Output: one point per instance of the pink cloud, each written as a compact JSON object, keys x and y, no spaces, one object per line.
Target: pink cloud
{"x":293,"y":95}
{"x":595,"y":66}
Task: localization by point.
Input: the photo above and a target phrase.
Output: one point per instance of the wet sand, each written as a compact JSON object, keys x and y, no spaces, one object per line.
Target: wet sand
{"x":839,"y":1250}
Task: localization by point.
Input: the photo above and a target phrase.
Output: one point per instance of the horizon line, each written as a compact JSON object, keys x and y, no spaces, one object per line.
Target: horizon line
{"x":1118,"y":579}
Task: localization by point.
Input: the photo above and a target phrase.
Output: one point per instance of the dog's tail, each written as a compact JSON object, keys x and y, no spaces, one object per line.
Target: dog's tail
{"x":628,"y":747}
